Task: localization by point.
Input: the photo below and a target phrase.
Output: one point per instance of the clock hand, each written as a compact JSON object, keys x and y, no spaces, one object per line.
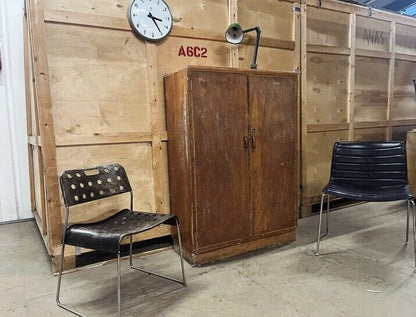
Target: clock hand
{"x":153,"y":19}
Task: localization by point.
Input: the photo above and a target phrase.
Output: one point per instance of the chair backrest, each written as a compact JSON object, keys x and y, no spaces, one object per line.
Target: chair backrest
{"x":369,"y":163}
{"x":84,"y":185}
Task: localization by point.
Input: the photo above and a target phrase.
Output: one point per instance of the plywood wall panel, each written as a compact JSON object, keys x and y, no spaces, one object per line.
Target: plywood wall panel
{"x":405,"y":39}
{"x":271,"y":16}
{"x":327,"y":89}
{"x":99,"y":81}
{"x":318,"y":157}
{"x":371,"y":89}
{"x":267,"y":59}
{"x":404,"y":102}
{"x":326,"y":27}
{"x":370,"y":134}
{"x":372,"y":34}
{"x":96,"y":7}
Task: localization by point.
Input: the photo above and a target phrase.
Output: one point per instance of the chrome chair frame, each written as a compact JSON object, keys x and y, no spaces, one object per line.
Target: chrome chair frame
{"x":65,"y":227}
{"x":410,"y":205}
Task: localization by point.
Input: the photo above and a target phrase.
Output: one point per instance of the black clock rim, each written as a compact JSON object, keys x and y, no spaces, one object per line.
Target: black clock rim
{"x":143,"y":36}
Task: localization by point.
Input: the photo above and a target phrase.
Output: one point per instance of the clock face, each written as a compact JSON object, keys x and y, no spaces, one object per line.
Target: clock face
{"x":150,"y":19}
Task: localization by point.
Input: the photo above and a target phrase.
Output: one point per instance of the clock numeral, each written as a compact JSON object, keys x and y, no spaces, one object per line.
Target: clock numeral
{"x":165,"y":9}
{"x":134,"y":14}
{"x":158,"y":1}
{"x":166,"y":27}
{"x":136,"y":5}
{"x":138,"y":25}
{"x":167,"y":19}
{"x":144,"y":32}
{"x":153,"y":34}
{"x":150,"y":8}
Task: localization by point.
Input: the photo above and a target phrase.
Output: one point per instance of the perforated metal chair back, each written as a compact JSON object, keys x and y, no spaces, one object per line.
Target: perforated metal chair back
{"x":84,"y":185}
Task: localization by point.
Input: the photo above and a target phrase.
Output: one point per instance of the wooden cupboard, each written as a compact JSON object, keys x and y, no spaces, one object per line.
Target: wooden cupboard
{"x":233,"y":159}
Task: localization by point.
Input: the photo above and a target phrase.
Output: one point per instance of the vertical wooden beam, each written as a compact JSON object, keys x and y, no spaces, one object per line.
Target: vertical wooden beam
{"x":28,"y":84}
{"x":303,"y":38}
{"x":296,"y":35}
{"x":41,"y":75}
{"x":392,"y":66}
{"x":232,"y":18}
{"x":157,"y":126}
{"x":351,"y":77}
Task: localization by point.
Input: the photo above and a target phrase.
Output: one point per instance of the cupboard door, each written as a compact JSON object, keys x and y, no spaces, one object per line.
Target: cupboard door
{"x":273,"y":109}
{"x":220,"y":121}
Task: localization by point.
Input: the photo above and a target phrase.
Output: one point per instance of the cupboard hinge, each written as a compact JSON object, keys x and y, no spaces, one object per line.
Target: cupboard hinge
{"x":190,"y":85}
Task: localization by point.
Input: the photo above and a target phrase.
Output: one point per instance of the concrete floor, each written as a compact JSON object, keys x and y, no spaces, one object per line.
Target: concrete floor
{"x":364,"y":270}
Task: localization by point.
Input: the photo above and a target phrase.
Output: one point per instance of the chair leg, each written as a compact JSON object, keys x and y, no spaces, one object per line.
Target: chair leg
{"x":58,"y":291}
{"x":320,"y":223}
{"x":414,"y":229}
{"x":183,"y":281}
{"x":407,"y":222}
{"x":119,"y":283}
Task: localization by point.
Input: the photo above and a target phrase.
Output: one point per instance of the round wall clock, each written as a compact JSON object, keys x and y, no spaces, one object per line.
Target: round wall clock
{"x":150,"y":19}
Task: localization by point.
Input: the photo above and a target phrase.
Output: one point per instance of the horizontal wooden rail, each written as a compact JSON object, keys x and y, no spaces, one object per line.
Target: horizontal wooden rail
{"x":92,"y":20}
{"x":95,"y":139}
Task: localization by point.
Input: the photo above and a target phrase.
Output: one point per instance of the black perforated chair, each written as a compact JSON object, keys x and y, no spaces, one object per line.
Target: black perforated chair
{"x":85,"y":185}
{"x":368,"y":171}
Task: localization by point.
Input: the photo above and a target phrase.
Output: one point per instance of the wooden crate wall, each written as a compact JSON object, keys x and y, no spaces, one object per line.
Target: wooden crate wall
{"x":95,"y":91}
{"x":357,"y":70}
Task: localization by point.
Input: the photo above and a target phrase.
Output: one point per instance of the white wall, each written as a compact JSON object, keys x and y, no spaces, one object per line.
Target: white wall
{"x":14,"y":171}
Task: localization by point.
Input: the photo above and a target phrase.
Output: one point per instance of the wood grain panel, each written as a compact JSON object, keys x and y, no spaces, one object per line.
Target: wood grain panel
{"x":371,"y":134}
{"x":99,"y":82}
{"x":371,"y":89}
{"x":405,"y":39}
{"x":220,"y":120}
{"x":267,"y":59}
{"x":404,"y":102}
{"x":318,"y":155}
{"x":327,"y":27}
{"x":273,"y":108}
{"x":327,"y":89}
{"x":271,"y":16}
{"x":372,"y":34}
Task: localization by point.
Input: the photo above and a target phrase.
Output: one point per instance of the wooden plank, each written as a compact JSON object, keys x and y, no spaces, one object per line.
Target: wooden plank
{"x":403,"y":122}
{"x":405,"y":39}
{"x":326,"y":49}
{"x":28,"y":87}
{"x":311,"y":128}
{"x":233,"y":18}
{"x":351,"y":75}
{"x":405,"y":57}
{"x":370,"y":134}
{"x":391,"y":78}
{"x":371,"y":53}
{"x":371,"y":124}
{"x":41,"y":75}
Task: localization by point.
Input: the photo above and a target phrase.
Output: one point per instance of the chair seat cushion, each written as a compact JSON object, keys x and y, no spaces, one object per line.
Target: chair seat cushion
{"x":106,"y":235}
{"x":368,"y":193}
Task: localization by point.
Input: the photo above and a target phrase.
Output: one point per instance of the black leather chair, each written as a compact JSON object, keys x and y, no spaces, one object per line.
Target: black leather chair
{"x":368,"y":171}
{"x":85,"y":185}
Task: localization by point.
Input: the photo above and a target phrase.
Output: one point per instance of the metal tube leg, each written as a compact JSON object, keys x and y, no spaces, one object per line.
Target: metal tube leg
{"x":319,"y":225}
{"x":119,"y":283}
{"x":61,"y":266}
{"x":180,"y":252}
{"x":407,"y":222}
{"x":414,"y":230}
{"x":327,"y":217}
{"x":131,"y":251}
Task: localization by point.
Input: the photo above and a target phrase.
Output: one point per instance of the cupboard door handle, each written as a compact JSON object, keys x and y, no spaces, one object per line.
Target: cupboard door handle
{"x":253,"y":143}
{"x":246,"y":142}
